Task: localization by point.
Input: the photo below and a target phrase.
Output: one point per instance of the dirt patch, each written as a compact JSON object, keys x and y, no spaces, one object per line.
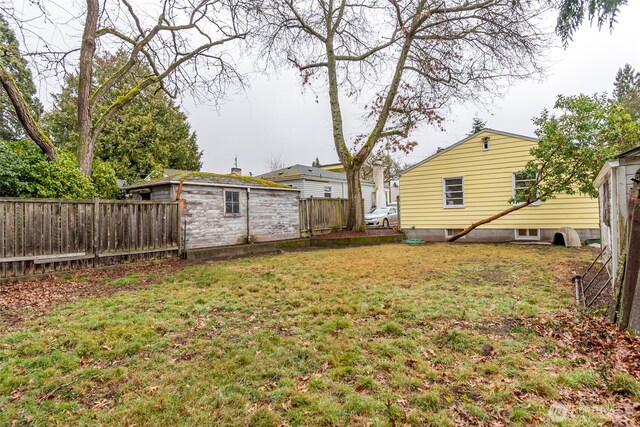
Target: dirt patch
{"x":369,"y":232}
{"x":24,"y":299}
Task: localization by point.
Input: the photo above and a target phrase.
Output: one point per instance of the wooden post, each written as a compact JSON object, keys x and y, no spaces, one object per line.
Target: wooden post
{"x":96,"y":231}
{"x":311,"y":215}
{"x":181,"y":247}
{"x":630,"y":292}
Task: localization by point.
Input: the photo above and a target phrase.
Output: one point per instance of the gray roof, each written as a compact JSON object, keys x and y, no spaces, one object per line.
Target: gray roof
{"x":172,"y":176}
{"x":302,"y":171}
{"x":633,"y":152}
{"x":462,"y":141}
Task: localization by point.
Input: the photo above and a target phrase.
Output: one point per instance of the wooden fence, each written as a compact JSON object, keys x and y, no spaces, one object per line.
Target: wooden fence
{"x":625,"y":301}
{"x":44,"y":235}
{"x":322,"y":215}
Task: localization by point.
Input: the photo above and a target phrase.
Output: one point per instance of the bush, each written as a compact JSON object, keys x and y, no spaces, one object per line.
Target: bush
{"x":25,"y":172}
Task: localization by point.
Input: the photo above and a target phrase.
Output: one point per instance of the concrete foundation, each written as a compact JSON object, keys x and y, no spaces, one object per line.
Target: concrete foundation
{"x":487,"y":235}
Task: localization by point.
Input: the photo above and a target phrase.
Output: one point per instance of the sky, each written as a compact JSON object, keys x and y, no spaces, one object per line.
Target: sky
{"x":275,"y":118}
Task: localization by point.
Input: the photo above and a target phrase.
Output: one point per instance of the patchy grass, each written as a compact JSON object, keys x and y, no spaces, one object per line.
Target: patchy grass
{"x":375,"y":336}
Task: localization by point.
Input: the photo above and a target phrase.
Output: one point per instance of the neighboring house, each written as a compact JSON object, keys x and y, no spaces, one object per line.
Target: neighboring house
{"x":614,"y":183}
{"x":318,"y":182}
{"x":224,"y":210}
{"x":391,"y":189}
{"x":474,"y":179}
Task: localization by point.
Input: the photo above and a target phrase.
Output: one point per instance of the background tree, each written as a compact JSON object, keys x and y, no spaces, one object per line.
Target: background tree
{"x":275,"y":162}
{"x":416,"y":55}
{"x":573,"y":12}
{"x":477,"y":125}
{"x":392,"y":168}
{"x":10,"y":126}
{"x":151,"y":133}
{"x":316,"y":163}
{"x":627,"y":90}
{"x":176,"y":40}
{"x":571,"y":150}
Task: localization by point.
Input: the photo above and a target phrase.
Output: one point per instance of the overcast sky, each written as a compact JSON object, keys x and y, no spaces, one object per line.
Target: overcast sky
{"x":275,"y":118}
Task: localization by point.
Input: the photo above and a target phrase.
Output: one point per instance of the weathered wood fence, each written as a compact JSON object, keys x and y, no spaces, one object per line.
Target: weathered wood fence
{"x":44,"y":235}
{"x":322,"y":215}
{"x":625,"y":302}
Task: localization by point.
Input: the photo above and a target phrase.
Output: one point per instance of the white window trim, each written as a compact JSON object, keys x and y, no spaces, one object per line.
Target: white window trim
{"x":485,"y":142}
{"x":330,"y":191}
{"x":513,"y":191}
{"x":515,"y":233}
{"x":224,"y":195}
{"x":444,"y":193}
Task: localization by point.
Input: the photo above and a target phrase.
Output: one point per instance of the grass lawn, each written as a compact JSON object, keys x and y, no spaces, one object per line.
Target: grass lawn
{"x":378,"y":336}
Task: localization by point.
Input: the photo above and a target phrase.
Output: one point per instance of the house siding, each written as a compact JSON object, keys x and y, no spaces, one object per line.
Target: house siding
{"x":488,"y":186}
{"x":315,"y":188}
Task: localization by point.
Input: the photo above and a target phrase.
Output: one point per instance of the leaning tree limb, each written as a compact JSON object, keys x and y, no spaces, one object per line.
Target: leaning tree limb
{"x":487,"y":220}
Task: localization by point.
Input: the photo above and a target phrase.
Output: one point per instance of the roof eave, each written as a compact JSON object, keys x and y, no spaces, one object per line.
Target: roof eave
{"x":611,"y":164}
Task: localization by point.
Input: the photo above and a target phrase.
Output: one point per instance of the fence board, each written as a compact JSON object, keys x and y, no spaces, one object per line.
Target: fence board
{"x":48,"y":235}
{"x":323,"y":215}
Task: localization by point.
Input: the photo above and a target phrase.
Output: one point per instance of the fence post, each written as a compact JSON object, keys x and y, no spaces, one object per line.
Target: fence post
{"x":630,"y":300}
{"x":96,"y":231}
{"x":311,"y":215}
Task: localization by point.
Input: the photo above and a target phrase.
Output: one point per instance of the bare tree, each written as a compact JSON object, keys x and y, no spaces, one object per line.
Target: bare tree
{"x":275,"y":162}
{"x":181,"y":41}
{"x":416,"y":55}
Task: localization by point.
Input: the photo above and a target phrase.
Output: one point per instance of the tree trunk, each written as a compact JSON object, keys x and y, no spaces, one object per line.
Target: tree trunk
{"x":475,"y":225}
{"x":24,"y":115}
{"x":87,"y":52}
{"x":355,"y":220}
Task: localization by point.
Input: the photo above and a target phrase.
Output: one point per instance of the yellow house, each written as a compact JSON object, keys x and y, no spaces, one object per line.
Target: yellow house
{"x":333,"y":167}
{"x":474,"y":179}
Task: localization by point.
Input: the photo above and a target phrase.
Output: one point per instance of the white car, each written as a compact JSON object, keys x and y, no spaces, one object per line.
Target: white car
{"x":382,"y":217}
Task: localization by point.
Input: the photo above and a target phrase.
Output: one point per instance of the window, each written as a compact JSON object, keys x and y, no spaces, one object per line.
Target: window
{"x":231,"y":202}
{"x":522,"y":186}
{"x":450,"y":232}
{"x":485,"y":143}
{"x":453,"y":189}
{"x":527,"y":234}
{"x":327,"y":192}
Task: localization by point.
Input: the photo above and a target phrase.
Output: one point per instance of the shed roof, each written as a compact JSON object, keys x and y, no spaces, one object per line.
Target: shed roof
{"x":629,"y":153}
{"x":173,"y":176}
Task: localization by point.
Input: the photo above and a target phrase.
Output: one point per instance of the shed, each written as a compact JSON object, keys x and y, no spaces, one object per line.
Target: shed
{"x":614,"y":183}
{"x":225,"y":210}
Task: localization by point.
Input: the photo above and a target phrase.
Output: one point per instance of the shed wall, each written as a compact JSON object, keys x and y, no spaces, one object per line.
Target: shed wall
{"x":274,"y":215}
